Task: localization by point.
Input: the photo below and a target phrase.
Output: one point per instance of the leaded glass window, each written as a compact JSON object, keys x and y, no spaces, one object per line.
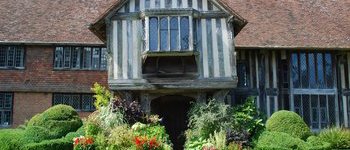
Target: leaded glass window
{"x":313,"y":94}
{"x":312,"y":70}
{"x":89,"y":58}
{"x":164,"y":33}
{"x":169,"y":33}
{"x":174,"y":33}
{"x":80,"y":102}
{"x":11,"y":57}
{"x":153,"y":33}
{"x":6,"y":100}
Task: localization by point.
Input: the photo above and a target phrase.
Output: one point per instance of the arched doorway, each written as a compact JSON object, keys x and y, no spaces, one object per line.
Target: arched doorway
{"x":173,"y":109}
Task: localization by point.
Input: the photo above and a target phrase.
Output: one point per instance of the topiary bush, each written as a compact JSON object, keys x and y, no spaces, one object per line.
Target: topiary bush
{"x":56,"y":144}
{"x":36,"y":134}
{"x":339,"y":138}
{"x":71,"y":135}
{"x":316,"y":144}
{"x":59,"y":120}
{"x":288,"y":122}
{"x":279,"y":141}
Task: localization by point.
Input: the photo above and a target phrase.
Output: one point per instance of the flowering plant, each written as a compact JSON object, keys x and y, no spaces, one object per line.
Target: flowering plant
{"x":83,"y":143}
{"x":143,"y":143}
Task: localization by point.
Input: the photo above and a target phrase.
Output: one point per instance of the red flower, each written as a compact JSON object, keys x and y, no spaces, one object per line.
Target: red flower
{"x":76,"y":141}
{"x":153,"y":143}
{"x":137,"y":141}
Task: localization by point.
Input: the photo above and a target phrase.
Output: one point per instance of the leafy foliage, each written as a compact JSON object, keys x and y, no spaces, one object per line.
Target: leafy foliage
{"x":110,"y":117}
{"x":102,"y":95}
{"x":204,"y":119}
{"x":121,"y":137}
{"x":240,"y":123}
{"x":218,"y":139}
{"x":132,"y":110}
{"x":288,"y":122}
{"x":339,"y":138}
{"x":151,"y":131}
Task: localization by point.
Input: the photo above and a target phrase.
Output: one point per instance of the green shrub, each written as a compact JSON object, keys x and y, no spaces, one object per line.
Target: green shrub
{"x":56,"y":144}
{"x":102,"y":96}
{"x":288,"y":122}
{"x":339,"y":138}
{"x":218,"y":139}
{"x":150,"y":131}
{"x":193,"y":141}
{"x":92,"y":129}
{"x":316,"y":144}
{"x":110,"y":117}
{"x":121,"y":137}
{"x":71,"y":135}
{"x":36,"y":134}
{"x":279,"y":140}
{"x":204,"y":119}
{"x":9,"y":139}
{"x":59,"y":120}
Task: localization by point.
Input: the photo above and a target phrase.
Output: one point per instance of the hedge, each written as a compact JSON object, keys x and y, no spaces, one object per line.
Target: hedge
{"x":9,"y":138}
{"x":56,"y":144}
{"x":279,"y":140}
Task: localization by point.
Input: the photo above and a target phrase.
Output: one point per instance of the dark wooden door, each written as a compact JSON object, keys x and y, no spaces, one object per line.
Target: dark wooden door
{"x":173,"y":111}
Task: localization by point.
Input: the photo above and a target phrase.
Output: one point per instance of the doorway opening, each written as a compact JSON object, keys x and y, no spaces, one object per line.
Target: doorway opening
{"x":173,"y":110}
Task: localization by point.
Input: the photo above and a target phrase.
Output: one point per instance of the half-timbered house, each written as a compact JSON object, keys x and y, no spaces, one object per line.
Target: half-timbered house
{"x":166,"y":54}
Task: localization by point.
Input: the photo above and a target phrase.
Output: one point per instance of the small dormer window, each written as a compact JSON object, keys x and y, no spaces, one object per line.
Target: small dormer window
{"x":169,"y":33}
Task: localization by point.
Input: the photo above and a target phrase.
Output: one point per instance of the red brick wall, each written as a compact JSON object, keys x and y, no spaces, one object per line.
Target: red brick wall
{"x":26,"y":105}
{"x":39,"y":75}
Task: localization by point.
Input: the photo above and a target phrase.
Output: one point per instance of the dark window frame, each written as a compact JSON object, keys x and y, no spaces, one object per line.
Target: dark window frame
{"x":8,"y":109}
{"x":79,"y":60}
{"x":80,"y":95}
{"x":247,"y":74}
{"x":15,"y":65}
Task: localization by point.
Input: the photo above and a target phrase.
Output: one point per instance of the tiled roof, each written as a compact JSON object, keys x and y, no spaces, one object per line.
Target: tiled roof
{"x":294,"y":23}
{"x":271,"y":23}
{"x":50,"y":21}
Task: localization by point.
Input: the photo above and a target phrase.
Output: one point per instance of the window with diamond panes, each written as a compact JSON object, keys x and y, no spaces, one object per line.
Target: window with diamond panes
{"x":80,"y":102}
{"x":314,"y":92}
{"x":242,"y":74}
{"x":11,"y":57}
{"x":169,"y":33}
{"x":80,"y":58}
{"x":312,"y":70}
{"x":6,"y":100}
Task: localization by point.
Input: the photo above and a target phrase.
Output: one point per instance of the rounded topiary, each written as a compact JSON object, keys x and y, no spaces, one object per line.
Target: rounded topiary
{"x":288,"y":122}
{"x":59,"y":120}
{"x":279,"y":141}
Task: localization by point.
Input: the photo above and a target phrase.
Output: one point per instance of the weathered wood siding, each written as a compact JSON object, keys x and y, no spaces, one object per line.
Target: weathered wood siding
{"x":213,"y":40}
{"x":323,"y":83}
